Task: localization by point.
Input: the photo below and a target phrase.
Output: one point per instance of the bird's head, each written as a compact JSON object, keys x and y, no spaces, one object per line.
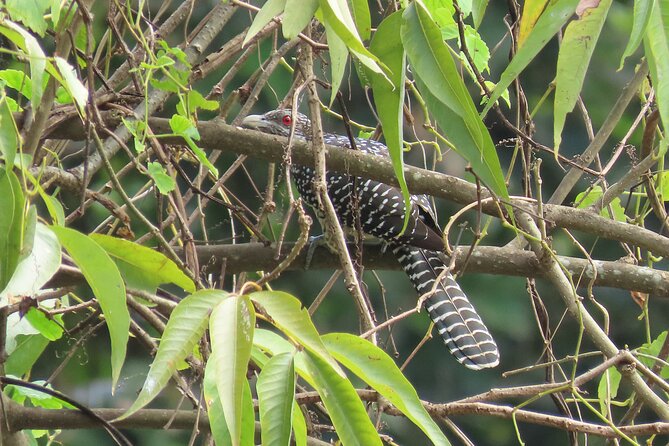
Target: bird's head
{"x":279,"y":122}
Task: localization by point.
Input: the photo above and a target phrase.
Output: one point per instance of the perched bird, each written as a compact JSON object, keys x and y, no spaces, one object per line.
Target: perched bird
{"x":419,"y":249}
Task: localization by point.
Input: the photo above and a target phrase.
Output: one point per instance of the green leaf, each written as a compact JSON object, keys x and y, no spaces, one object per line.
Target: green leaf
{"x":105,"y":280}
{"x":183,"y":126}
{"x":248,"y":416}
{"x":478,"y":11}
{"x":578,"y":43}
{"x":362,"y":18}
{"x":27,"y":42}
{"x":30,"y":12}
{"x":273,"y":344}
{"x":17,"y":80}
{"x":447,"y":97}
{"x":299,"y":426}
{"x":532,"y":10}
{"x":338,"y":15}
{"x":270,"y":9}
{"x":28,"y":350}
{"x":276,"y":389}
{"x":158,"y":174}
{"x":548,"y":24}
{"x":288,"y":315}
{"x":343,"y":404}
{"x":184,"y":329}
{"x":163,"y":269}
{"x":12,"y":203}
{"x":656,"y":43}
{"x":9,"y":141}
{"x":219,"y":428}
{"x":642,"y":12}
{"x":193,"y":101}
{"x":48,"y":328}
{"x":376,"y":368}
{"x":608,"y":388}
{"x":389,"y":98}
{"x":589,"y":197}
{"x":231,"y":326}
{"x":72,"y":84}
{"x":653,"y":349}
{"x":296,"y":16}
{"x":338,"y":58}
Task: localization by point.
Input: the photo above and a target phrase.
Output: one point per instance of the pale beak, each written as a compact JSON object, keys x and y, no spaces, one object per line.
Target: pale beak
{"x":253,"y":122}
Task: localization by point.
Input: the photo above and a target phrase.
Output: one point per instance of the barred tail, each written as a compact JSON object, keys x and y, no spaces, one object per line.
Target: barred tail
{"x":459,"y":325}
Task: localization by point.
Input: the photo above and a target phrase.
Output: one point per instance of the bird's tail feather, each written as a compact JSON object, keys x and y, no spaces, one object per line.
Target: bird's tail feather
{"x":455,"y":318}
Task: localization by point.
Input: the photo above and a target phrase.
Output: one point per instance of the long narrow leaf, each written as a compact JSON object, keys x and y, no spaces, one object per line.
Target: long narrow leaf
{"x":550,"y":22}
{"x":12,"y":203}
{"x":343,"y":404}
{"x":292,"y":318}
{"x":231,"y":327}
{"x":296,"y":16}
{"x":376,"y":368}
{"x":276,"y":389}
{"x":270,"y":10}
{"x":219,"y":428}
{"x":389,"y":98}
{"x":642,"y":11}
{"x":105,"y":280}
{"x":656,"y":44}
{"x":447,"y":97}
{"x":182,"y":332}
{"x":576,"y":50}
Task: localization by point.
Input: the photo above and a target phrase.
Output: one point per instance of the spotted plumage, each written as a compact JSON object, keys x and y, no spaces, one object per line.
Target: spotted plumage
{"x":418,"y":249}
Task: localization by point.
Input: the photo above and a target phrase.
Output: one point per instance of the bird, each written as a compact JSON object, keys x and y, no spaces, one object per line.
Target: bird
{"x":419,"y":249}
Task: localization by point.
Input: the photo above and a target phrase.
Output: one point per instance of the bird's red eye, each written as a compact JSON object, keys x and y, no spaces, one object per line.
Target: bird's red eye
{"x":287,"y":120}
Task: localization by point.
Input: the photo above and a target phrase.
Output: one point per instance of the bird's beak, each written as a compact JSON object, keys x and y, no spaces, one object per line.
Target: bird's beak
{"x":253,"y":122}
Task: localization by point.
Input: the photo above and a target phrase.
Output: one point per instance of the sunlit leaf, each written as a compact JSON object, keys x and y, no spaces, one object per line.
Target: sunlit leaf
{"x":27,"y":42}
{"x":608,"y":388}
{"x":288,"y":315}
{"x":27,"y":351}
{"x":29,"y":12}
{"x":231,"y":327}
{"x":478,"y":11}
{"x":49,"y":328}
{"x":72,"y":83}
{"x":105,"y":280}
{"x":159,"y":175}
{"x":656,"y":43}
{"x":219,"y":428}
{"x":532,"y":9}
{"x":9,"y":141}
{"x":156,"y":263}
{"x":338,"y":58}
{"x":362,"y":18}
{"x":578,"y":43}
{"x":12,"y":204}
{"x":184,"y":329}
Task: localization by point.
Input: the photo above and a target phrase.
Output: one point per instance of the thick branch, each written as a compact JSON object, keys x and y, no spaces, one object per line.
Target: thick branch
{"x":220,"y":136}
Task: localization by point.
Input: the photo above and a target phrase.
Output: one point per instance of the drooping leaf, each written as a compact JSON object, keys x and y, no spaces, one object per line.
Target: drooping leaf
{"x":146,"y":259}
{"x":72,"y":83}
{"x":12,"y":203}
{"x":656,"y":44}
{"x":447,"y":97}
{"x":28,"y":350}
{"x":642,"y":12}
{"x":549,"y":23}
{"x":338,"y":15}
{"x":288,"y":315}
{"x":27,"y":42}
{"x":532,"y":9}
{"x":103,"y":277}
{"x":182,"y":332}
{"x":607,"y":389}
{"x":362,"y":18}
{"x":271,"y":9}
{"x":653,"y":349}
{"x":338,"y":58}
{"x":343,"y":404}
{"x":248,"y":416}
{"x":376,"y":368}
{"x":9,"y":142}
{"x":219,"y":428}
{"x":578,"y":43}
{"x":478,"y":11}
{"x":231,"y":327}
{"x":389,"y":97}
{"x":297,"y":15}
{"x":276,"y":389}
